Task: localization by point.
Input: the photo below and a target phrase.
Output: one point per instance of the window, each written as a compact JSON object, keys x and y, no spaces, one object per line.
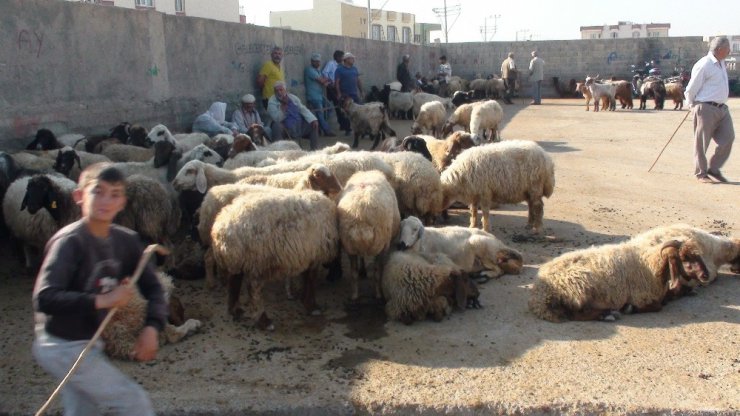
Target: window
{"x":635,"y":34}
{"x":392,"y":34}
{"x":376,"y":32}
{"x":145,"y":3}
{"x":736,"y":47}
{"x":406,"y":35}
{"x":180,"y":6}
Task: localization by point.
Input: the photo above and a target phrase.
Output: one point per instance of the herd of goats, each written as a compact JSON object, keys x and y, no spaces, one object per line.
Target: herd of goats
{"x":240,"y":210}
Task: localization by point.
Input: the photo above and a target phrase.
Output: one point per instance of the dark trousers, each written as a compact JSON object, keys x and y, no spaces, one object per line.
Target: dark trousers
{"x":331,"y":92}
{"x":509,"y":83}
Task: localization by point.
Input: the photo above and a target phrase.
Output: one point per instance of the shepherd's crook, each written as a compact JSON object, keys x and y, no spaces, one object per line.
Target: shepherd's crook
{"x":669,"y":140}
{"x":145,"y":256}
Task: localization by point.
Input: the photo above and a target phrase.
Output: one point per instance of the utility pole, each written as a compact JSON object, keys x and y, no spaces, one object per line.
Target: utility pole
{"x":369,"y":20}
{"x":484,"y":29}
{"x":454,"y":10}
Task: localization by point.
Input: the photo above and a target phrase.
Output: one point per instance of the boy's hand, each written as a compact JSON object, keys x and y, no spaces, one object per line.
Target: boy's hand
{"x":117,"y":297}
{"x":146,"y":345}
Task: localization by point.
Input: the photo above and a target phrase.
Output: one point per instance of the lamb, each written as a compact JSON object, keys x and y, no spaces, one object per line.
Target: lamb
{"x":418,"y":187}
{"x":421,"y":98}
{"x":279,"y":243}
{"x":460,"y":117}
{"x":674,"y":91}
{"x":601,"y":90}
{"x":486,"y":116}
{"x":445,"y":151}
{"x":416,"y":286}
{"x":597,"y":282}
{"x":501,"y":173}
{"x":123,"y":329}
{"x":431,"y":117}
{"x":368,"y":119}
{"x":368,"y":217}
{"x":400,"y":103}
{"x":36,"y":207}
{"x":471,"y":250}
{"x":716,"y":250}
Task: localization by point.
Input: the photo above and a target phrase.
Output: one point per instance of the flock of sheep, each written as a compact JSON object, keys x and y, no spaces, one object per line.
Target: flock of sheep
{"x":606,"y":93}
{"x":254,"y":213}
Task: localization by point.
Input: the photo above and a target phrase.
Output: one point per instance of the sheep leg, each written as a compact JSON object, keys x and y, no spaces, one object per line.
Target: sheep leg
{"x":354,"y":278}
{"x":263,"y":322}
{"x":288,"y":290}
{"x":210,"y":265}
{"x":473,"y":215}
{"x":588,"y":314}
{"x":377,"y":140}
{"x":357,"y":140}
{"x":173,"y":334}
{"x":536,"y":212}
{"x":309,"y":292}
{"x":650,"y":307}
{"x":28,"y":254}
{"x":235,"y":286}
{"x":485,"y":213}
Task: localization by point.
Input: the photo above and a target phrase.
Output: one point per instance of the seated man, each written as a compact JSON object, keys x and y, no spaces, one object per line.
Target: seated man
{"x":290,"y":118}
{"x":247,"y":116}
{"x":213,"y":121}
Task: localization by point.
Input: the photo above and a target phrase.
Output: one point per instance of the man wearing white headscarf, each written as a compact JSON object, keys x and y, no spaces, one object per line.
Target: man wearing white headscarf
{"x":213,"y":121}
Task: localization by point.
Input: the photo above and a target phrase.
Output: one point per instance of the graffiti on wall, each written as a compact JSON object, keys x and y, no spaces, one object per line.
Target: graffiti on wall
{"x":30,"y":42}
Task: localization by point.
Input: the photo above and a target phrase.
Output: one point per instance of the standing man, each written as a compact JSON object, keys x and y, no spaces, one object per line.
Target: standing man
{"x":315,"y":84}
{"x":290,"y":117}
{"x":508,"y":73}
{"x":536,"y":75}
{"x":403,"y":75}
{"x":347,"y":80}
{"x":270,"y":74}
{"x":444,"y":72}
{"x":331,"y":88}
{"x":707,"y":95}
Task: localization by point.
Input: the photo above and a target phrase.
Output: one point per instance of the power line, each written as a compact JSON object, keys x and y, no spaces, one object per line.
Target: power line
{"x":444,"y":12}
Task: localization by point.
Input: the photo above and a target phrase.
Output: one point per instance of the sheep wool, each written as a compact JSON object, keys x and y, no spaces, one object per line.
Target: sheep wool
{"x":419,"y":188}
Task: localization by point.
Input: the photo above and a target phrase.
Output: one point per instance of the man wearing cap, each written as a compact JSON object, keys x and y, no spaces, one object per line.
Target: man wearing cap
{"x":347,"y":80}
{"x":315,"y":99}
{"x":536,"y":75}
{"x":403,"y":75}
{"x":270,"y":73}
{"x":247,"y":116}
{"x":290,"y":118}
{"x":331,"y":89}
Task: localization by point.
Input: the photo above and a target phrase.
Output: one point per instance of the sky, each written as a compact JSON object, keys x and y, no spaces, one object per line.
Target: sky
{"x":538,"y":19}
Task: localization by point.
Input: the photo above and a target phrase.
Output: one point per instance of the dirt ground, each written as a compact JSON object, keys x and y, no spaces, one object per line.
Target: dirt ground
{"x":496,"y":360}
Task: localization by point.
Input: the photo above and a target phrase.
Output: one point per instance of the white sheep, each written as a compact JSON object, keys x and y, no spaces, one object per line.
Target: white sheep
{"x":472,"y":250}
{"x":601,"y":90}
{"x":367,"y":119}
{"x":418,"y":186}
{"x":421,"y":98}
{"x":417,"y":285}
{"x":123,"y":329}
{"x":715,"y":249}
{"x":35,"y":208}
{"x":597,"y":282}
{"x":255,"y":158}
{"x":486,"y":117}
{"x":34,"y":162}
{"x":261,"y":238}
{"x":127,"y":153}
{"x":432,"y":116}
{"x":459,"y":117}
{"x":400,"y":102}
{"x":508,"y":172}
{"x":184,"y":141}
{"x":495,"y":88}
{"x":368,"y":218}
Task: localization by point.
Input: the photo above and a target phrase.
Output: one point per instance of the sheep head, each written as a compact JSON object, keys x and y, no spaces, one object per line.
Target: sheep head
{"x":159,"y":133}
{"x":122,"y":132}
{"x":322,"y":179}
{"x":192,"y":176}
{"x":418,"y":145}
{"x":65,"y":161}
{"x":510,"y":261}
{"x":242,"y":143}
{"x":683,"y":262}
{"x":416,"y":128}
{"x":41,"y":193}
{"x":137,"y":136}
{"x":163,"y":151}
{"x":257,"y":134}
{"x":45,"y":140}
{"x":411,"y":232}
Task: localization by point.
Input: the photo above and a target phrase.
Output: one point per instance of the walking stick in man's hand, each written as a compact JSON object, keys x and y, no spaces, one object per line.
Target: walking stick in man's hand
{"x":669,"y":140}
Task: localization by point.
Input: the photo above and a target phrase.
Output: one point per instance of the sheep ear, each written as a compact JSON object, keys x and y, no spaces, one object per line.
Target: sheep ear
{"x":200,"y":181}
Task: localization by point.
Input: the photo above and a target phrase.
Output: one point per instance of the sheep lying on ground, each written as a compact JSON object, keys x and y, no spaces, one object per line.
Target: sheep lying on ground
{"x":35,"y":208}
{"x":368,"y":119}
{"x":445,"y":151}
{"x":471,"y":250}
{"x":486,"y":117}
{"x":597,"y":282}
{"x":674,"y":91}
{"x":419,"y":189}
{"x":431,"y":117}
{"x":416,"y":286}
{"x":123,"y":329}
{"x":716,"y":250}
{"x":500,"y":173}
{"x":278,"y":242}
{"x":368,"y":218}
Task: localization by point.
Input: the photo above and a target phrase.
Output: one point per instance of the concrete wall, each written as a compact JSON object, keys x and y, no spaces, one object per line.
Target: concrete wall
{"x":76,"y":67}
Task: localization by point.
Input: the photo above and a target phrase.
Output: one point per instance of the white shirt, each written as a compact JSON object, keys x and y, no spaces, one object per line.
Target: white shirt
{"x":329,"y":70}
{"x":708,"y":81}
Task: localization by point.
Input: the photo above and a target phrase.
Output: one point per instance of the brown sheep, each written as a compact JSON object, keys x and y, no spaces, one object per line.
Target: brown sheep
{"x":674,"y":91}
{"x":623,"y":93}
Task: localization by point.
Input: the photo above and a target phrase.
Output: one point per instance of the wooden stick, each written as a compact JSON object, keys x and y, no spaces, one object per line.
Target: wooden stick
{"x":669,"y":140}
{"x":145,"y":256}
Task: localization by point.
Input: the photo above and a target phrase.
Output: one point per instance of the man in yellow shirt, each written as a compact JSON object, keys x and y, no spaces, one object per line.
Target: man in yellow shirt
{"x":270,"y":74}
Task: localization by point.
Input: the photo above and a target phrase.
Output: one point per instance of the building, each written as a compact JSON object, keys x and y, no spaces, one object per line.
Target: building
{"x":626,"y":30}
{"x":343,"y":18}
{"x":224,"y":10}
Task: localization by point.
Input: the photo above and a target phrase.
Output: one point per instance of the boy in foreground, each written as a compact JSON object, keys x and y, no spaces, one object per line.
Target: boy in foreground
{"x":84,"y":274}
